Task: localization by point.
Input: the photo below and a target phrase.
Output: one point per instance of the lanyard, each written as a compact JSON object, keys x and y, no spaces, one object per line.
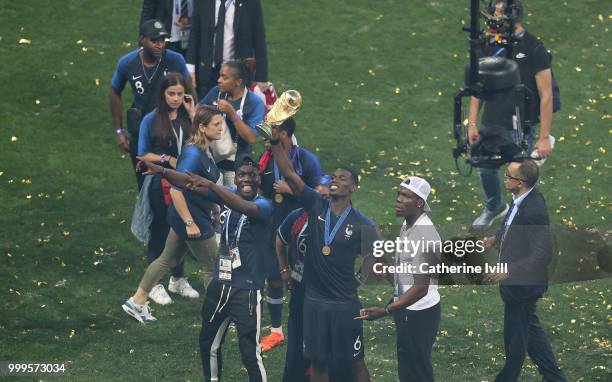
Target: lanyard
{"x":242,"y":101}
{"x":179,"y":138}
{"x":238,"y":230}
{"x":239,"y":111}
{"x":329,"y":238}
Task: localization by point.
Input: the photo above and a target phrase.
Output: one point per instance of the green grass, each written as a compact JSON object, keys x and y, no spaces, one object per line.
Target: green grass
{"x":377,"y":79}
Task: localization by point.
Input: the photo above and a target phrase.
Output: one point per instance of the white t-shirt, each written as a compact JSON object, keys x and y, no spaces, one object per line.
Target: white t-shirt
{"x":423,"y":231}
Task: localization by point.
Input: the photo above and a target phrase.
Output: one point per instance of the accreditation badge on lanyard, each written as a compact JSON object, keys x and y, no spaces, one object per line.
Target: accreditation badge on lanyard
{"x":298,"y":271}
{"x":231,"y":260}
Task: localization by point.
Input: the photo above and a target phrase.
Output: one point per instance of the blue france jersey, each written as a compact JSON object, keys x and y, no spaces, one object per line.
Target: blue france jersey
{"x":251,"y":274}
{"x":252,"y":114}
{"x":293,"y":232}
{"x":332,"y":276}
{"x":196,"y":161}
{"x":150,"y":142}
{"x":145,"y":82}
{"x":306,"y":165}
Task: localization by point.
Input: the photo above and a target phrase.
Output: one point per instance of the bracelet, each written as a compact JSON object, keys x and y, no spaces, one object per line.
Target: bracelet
{"x":235,"y":118}
{"x":163,"y":172}
{"x":163,"y":158}
{"x":119,"y":131}
{"x":387,"y":312}
{"x":284,"y":270}
{"x":274,"y":141}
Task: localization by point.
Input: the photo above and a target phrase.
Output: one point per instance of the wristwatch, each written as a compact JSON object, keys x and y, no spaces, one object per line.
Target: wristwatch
{"x":188,"y":223}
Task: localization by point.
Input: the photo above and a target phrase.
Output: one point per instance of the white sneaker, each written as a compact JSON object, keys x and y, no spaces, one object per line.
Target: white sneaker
{"x":486,"y":218}
{"x":182,"y":287}
{"x":139,"y":312}
{"x":159,"y":295}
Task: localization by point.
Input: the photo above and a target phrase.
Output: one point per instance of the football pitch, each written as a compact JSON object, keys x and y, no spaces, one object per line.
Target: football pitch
{"x":377,"y":80}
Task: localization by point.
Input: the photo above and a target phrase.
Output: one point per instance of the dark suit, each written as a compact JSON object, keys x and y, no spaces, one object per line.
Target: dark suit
{"x":162,"y":10}
{"x":249,"y":40}
{"x":157,"y":9}
{"x":527,"y":248}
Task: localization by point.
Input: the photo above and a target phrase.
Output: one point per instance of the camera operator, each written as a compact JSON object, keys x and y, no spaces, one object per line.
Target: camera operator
{"x":535,"y":71}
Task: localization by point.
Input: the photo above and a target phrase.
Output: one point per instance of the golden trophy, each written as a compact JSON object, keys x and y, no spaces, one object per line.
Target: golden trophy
{"x":284,"y":108}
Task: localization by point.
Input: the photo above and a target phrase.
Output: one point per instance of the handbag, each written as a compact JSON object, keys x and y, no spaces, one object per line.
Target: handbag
{"x":143,"y":213}
{"x":225,"y":147}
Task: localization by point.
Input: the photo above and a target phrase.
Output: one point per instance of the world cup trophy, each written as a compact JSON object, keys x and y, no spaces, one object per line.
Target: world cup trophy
{"x":284,"y":108}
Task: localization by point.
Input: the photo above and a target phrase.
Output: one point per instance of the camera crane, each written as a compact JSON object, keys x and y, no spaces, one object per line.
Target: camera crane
{"x":491,"y":72}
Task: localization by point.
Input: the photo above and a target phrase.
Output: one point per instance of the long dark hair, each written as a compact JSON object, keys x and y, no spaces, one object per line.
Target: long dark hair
{"x":162,"y":125}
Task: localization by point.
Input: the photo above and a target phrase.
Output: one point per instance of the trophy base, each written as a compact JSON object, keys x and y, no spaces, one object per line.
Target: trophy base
{"x":265,"y":129}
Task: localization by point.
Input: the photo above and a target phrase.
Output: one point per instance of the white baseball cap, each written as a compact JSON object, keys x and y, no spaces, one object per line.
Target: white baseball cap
{"x":420,"y":187}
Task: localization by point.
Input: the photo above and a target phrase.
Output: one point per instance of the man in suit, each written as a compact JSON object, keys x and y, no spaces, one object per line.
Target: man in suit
{"x":525,"y":245}
{"x":224,"y":30}
{"x":176,"y":17}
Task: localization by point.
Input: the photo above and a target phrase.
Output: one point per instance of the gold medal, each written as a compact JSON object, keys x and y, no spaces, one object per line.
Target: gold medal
{"x":326,"y":250}
{"x":278,"y":198}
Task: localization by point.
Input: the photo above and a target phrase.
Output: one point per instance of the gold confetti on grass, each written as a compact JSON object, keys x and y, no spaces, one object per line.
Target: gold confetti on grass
{"x":24,"y":41}
{"x":14,"y":139}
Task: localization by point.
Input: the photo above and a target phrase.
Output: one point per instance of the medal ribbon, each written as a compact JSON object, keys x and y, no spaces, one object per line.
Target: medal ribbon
{"x":329,"y":238}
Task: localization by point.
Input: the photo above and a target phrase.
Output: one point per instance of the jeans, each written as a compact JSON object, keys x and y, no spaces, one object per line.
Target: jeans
{"x":491,"y":180}
{"x":159,"y":226}
{"x":205,"y":251}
